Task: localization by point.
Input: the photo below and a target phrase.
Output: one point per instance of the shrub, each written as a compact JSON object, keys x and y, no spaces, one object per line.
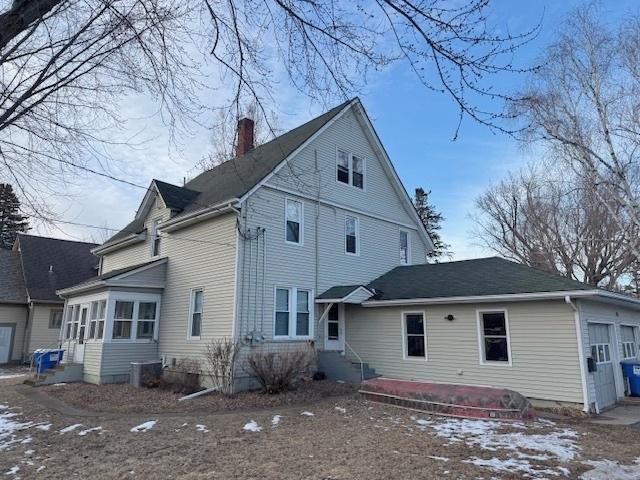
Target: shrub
{"x":221,"y":359}
{"x":276,"y":371}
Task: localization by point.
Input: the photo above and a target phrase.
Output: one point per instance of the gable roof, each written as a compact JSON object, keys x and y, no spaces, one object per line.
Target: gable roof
{"x":468,"y":278}
{"x":50,"y":264}
{"x":12,"y":289}
{"x":234,"y":178}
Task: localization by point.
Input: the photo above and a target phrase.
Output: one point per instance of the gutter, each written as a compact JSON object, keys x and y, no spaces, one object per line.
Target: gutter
{"x":198,"y":216}
{"x":581,"y":359}
{"x":128,"y":240}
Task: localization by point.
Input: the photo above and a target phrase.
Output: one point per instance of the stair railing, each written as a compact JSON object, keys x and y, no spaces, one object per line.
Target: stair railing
{"x":346,"y":344}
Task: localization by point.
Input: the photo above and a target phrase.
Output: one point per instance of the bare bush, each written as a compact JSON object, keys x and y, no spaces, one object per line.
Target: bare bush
{"x":276,"y":371}
{"x":221,"y":359}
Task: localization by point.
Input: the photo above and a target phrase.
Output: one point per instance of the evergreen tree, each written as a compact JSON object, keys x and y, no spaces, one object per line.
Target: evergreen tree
{"x":432,"y":220}
{"x":11,"y":221}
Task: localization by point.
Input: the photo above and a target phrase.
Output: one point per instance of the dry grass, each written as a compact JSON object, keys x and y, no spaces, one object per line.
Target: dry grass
{"x":109,"y":398}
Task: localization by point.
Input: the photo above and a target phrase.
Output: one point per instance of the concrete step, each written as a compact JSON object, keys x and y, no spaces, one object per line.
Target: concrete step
{"x":337,"y":367}
{"x":63,"y":373}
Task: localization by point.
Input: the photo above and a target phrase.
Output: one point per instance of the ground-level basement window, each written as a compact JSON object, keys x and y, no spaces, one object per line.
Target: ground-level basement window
{"x":123,"y":319}
{"x":55,"y":318}
{"x":195,"y":317}
{"x":494,"y":337}
{"x":292,"y":316}
{"x":415,"y":335}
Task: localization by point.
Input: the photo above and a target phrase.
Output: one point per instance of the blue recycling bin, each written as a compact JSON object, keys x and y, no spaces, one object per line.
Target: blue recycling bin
{"x":631,"y":371}
{"x":43,"y":359}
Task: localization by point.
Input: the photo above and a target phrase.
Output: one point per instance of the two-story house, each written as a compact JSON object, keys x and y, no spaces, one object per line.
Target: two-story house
{"x":311,"y":239}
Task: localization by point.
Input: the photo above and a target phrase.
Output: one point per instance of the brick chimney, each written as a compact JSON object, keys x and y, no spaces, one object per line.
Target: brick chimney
{"x":244,"y":141}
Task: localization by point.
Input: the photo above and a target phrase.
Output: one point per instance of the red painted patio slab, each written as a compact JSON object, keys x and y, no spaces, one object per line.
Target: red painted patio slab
{"x":451,"y":400}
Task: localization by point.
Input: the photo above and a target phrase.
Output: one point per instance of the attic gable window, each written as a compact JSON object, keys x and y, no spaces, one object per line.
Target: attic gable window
{"x":155,"y":239}
{"x":350,"y":169}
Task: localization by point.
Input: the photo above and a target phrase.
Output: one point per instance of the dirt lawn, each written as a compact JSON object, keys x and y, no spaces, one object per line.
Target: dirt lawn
{"x":333,"y":438}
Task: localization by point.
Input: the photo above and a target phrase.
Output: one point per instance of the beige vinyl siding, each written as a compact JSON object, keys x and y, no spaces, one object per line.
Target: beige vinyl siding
{"x":599,"y":312}
{"x":138,"y":252}
{"x":544,"y":349}
{"x":117,"y":357}
{"x":40,"y":335}
{"x":200,"y":256}
{"x":15,"y":314}
{"x":152,"y":276}
{"x":92,"y":361}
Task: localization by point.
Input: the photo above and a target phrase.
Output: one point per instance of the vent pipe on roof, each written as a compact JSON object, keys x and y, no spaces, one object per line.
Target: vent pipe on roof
{"x":244,"y":140}
{"x":50,"y":268}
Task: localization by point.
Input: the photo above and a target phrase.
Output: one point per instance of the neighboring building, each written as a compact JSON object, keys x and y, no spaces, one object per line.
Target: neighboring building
{"x":280,"y":247}
{"x":30,"y":309}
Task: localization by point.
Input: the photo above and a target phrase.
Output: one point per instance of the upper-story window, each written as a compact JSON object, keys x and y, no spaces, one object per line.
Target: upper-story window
{"x":293,"y":221}
{"x":351,"y":234}
{"x":155,"y":239}
{"x":404,"y":247}
{"x":350,"y":169}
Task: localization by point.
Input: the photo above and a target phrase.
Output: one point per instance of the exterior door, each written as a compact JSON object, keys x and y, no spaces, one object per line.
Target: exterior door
{"x":602,"y":353}
{"x":5,"y":344}
{"x":78,"y":352}
{"x":334,"y":330}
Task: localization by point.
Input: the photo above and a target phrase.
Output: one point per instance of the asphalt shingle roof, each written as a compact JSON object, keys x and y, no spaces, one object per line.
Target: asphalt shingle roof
{"x":12,"y":287}
{"x":340,"y":291}
{"x":479,"y":277}
{"x":234,"y":178}
{"x":50,"y":264}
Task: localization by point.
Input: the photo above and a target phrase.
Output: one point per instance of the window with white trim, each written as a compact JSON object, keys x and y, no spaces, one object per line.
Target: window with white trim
{"x":195,"y":316}
{"x":415,"y":335}
{"x":292,"y":313}
{"x":155,"y":239}
{"x":404,"y":247}
{"x":97,"y":317}
{"x":145,"y":326}
{"x":494,"y":334}
{"x":122,"y":320}
{"x":69,"y":321}
{"x":601,"y":352}
{"x":628,"y":337}
{"x":76,"y":321}
{"x":351,"y":231}
{"x":350,"y":169}
{"x":55,"y":318}
{"x":293,"y":221}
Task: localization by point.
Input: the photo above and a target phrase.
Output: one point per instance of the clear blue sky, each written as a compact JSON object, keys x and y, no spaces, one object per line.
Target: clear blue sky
{"x":415,"y":125}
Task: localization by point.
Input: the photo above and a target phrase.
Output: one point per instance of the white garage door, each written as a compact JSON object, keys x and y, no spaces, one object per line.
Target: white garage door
{"x":601,"y":352}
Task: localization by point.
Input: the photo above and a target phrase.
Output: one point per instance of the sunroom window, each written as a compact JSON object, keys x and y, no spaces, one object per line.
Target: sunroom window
{"x":122,"y":320}
{"x":146,"y":319}
{"x":97,"y":317}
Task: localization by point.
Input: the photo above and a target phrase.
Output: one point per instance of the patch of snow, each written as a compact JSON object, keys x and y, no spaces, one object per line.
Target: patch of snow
{"x":341,"y":409}
{"x":276,"y":420}
{"x":308,"y":414}
{"x":252,"y":426}
{"x":13,"y":470}
{"x":13,"y":375}
{"x":82,"y":433}
{"x":202,"y":428}
{"x":40,"y":468}
{"x":511,"y":465}
{"x":70,"y":428}
{"x":29,"y":452}
{"x":607,"y":469}
{"x":59,"y":384}
{"x":44,"y":427}
{"x":4,"y":407}
{"x":144,"y":427}
{"x":441,"y":459}
{"x":9,"y":429}
{"x":560,"y":444}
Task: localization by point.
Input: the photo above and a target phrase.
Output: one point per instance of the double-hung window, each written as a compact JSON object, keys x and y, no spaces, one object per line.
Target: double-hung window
{"x":69,"y":321}
{"x":155,"y":239}
{"x":293,"y":314}
{"x":97,"y":316}
{"x":415,"y":335}
{"x":195,"y":316}
{"x":293,"y":222}
{"x":122,"y":320}
{"x":628,"y":336}
{"x":404,"y":247}
{"x":494,"y":337}
{"x":351,"y":234}
{"x":55,"y":318}
{"x":147,"y":312}
{"x":350,"y":169}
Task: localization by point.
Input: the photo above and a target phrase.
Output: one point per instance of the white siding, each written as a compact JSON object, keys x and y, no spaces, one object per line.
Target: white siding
{"x":92,"y":360}
{"x":599,"y":312}
{"x":543,"y":347}
{"x":16,"y":315}
{"x":40,"y":335}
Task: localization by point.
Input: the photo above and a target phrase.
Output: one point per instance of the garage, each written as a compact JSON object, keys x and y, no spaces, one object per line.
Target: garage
{"x":600,"y":341}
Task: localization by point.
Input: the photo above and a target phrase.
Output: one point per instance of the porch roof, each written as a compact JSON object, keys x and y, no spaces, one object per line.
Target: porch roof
{"x":345,"y":294}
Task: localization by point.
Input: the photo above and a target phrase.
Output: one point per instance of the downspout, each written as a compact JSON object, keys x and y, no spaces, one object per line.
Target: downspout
{"x":581,"y":359}
{"x":317,"y":239}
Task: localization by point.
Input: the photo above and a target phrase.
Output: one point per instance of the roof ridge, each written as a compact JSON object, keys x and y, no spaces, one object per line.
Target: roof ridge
{"x":57,"y":239}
